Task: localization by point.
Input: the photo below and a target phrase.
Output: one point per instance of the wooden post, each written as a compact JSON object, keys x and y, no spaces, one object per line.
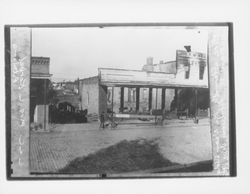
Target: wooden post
{"x":156,"y":98}
{"x":150,"y":99}
{"x":163,"y":93}
{"x":112,"y":102}
{"x":177,"y":99}
{"x":122,"y":100}
{"x":196,"y":104}
{"x":137,"y":99}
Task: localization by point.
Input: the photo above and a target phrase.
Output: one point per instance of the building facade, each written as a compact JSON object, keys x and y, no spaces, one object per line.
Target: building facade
{"x":39,"y":87}
{"x":155,"y":87}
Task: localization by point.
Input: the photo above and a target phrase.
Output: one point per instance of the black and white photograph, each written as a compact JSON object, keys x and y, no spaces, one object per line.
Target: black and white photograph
{"x":124,"y":96}
{"x":120,"y":100}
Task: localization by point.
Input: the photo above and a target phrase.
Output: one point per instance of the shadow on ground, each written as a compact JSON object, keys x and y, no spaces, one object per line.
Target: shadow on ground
{"x":125,"y":156}
{"x":139,"y":155}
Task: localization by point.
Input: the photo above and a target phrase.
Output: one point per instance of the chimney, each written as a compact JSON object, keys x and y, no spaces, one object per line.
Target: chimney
{"x":188,"y":48}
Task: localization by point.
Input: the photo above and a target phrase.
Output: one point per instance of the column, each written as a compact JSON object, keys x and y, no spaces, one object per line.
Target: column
{"x":177,"y":99}
{"x":137,"y":99}
{"x":196,"y":102}
{"x":163,"y":94}
{"x":112,"y":102}
{"x":122,"y":100}
{"x":150,"y":99}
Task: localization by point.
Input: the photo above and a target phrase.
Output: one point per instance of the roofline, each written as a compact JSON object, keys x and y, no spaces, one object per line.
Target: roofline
{"x":40,"y":76}
{"x":134,"y":70}
{"x":96,"y":76}
{"x":168,"y":62}
{"x":35,"y":57}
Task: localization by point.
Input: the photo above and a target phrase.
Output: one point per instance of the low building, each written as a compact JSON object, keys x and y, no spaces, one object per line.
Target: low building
{"x":140,"y":92}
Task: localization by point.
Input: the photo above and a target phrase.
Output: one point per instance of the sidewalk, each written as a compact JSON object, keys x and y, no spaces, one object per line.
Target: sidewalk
{"x":180,"y":141}
{"x":127,"y":123}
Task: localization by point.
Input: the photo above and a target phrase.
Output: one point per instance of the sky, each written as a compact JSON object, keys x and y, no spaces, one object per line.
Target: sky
{"x":79,"y":52}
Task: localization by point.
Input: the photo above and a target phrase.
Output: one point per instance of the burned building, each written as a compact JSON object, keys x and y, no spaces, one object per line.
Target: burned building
{"x":143,"y":92}
{"x":190,"y":66}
